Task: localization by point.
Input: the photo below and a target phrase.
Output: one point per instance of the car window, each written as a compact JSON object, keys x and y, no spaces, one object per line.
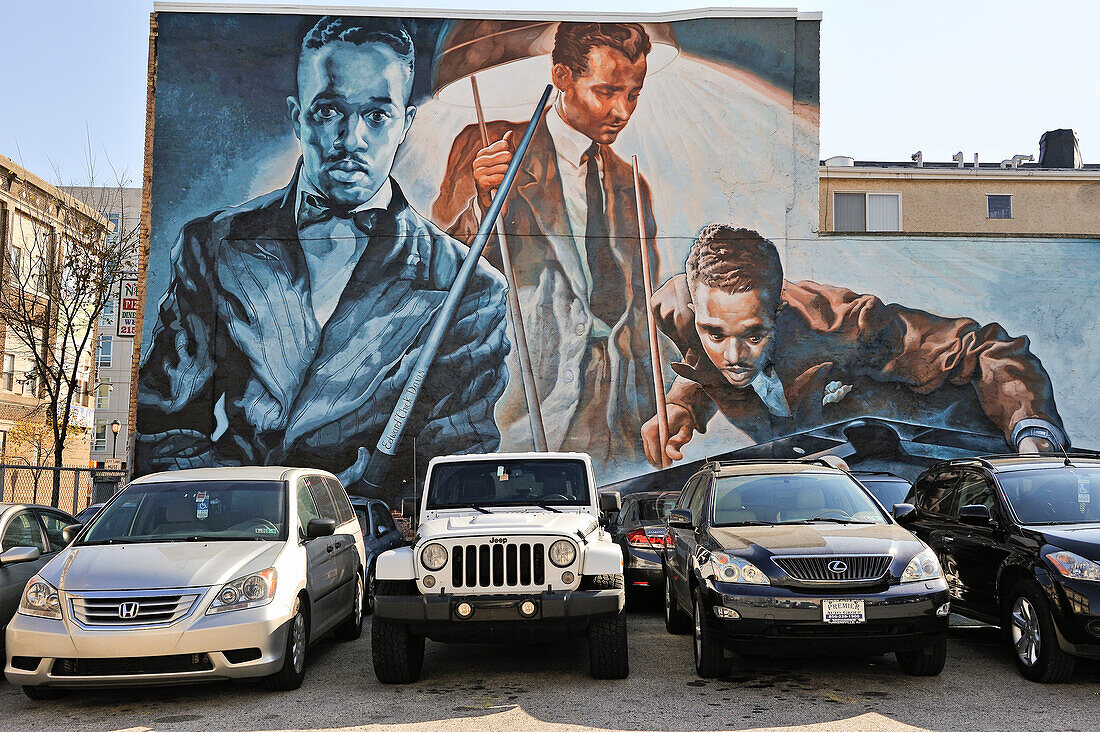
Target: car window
{"x":378,"y":515}
{"x":974,"y":489}
{"x":1062,"y":495}
{"x":940,"y":496}
{"x":364,"y":520}
{"x":654,"y":509}
{"x":699,"y":498}
{"x":55,"y":524}
{"x":793,"y":498}
{"x":307,"y":507}
{"x":340,"y":499}
{"x":509,"y":482}
{"x":887,"y":490}
{"x":326,"y":507}
{"x":387,"y":517}
{"x":689,"y":491}
{"x":22,"y":530}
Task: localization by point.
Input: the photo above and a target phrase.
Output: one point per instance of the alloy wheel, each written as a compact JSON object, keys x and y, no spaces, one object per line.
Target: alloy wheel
{"x":1026,"y":638}
{"x":298,"y":642}
{"x":698,"y":639}
{"x":359,"y":601}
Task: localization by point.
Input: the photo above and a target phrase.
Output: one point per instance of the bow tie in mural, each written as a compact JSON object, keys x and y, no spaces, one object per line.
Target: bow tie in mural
{"x":317,"y":210}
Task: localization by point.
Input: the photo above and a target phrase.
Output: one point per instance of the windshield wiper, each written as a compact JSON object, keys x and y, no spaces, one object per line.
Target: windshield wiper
{"x":217,"y":538}
{"x":547,"y":507}
{"x":100,"y":542}
{"x":747,"y":523}
{"x":475,"y":508}
{"x":830,"y":520}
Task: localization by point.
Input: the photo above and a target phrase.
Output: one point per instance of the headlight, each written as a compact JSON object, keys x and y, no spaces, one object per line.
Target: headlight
{"x":1074,"y":566}
{"x":923,"y":566}
{"x":255,"y":590}
{"x":40,"y":599}
{"x":562,"y":553}
{"x":730,"y":568}
{"x":433,"y":557}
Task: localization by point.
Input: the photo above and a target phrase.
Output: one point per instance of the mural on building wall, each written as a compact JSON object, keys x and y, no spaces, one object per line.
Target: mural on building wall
{"x":316,"y":182}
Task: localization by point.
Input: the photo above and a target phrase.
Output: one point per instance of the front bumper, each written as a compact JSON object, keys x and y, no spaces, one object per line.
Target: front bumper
{"x":776,"y":620}
{"x":61,"y":653}
{"x":1078,"y":624}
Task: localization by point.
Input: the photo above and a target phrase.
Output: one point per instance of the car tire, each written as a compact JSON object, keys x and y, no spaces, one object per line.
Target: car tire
{"x":352,"y":628}
{"x":397,"y":652}
{"x":676,"y":621}
{"x":293,"y":670}
{"x":710,"y":657}
{"x":928,"y":661}
{"x":608,"y":657}
{"x":1029,"y":624}
{"x":370,"y":592}
{"x":44,"y":693}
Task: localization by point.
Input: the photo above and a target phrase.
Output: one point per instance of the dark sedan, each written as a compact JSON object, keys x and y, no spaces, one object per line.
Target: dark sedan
{"x":29,"y":537}
{"x":788,"y":557}
{"x":1019,"y":539}
{"x":886,"y":487}
{"x":380,"y":533}
{"x":640,"y":530}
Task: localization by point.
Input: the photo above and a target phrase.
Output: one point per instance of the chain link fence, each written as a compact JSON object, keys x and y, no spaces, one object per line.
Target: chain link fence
{"x":77,"y":487}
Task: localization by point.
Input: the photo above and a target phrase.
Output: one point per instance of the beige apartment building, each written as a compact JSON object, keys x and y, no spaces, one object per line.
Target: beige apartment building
{"x":1058,"y":195}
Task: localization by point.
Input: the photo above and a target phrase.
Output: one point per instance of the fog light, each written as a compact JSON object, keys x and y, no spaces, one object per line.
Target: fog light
{"x":429,"y":581}
{"x":1094,"y":627}
{"x":464,"y":610}
{"x":727,"y":613}
{"x":944,"y":609}
{"x":568,"y":577}
{"x":527,"y":608}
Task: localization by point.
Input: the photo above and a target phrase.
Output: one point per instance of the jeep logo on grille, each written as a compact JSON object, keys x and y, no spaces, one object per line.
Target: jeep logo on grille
{"x":838,"y":567}
{"x":128,"y":610}
{"x":498,"y":540}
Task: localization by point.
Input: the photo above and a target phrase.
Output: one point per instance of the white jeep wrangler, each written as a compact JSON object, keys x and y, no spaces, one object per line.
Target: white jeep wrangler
{"x":509,"y":548}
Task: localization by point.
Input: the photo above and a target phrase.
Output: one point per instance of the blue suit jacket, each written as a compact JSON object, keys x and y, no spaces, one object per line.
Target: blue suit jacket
{"x":239,"y":372}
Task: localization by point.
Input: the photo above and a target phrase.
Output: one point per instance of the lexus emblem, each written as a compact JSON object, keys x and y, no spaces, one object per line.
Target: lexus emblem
{"x":836,"y":567}
{"x":128,"y":610}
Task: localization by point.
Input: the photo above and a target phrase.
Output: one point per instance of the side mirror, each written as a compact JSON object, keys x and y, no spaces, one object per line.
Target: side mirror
{"x":69,"y":532}
{"x":905,"y":513}
{"x":680,"y":518}
{"x":611,"y":502}
{"x":976,"y":515}
{"x":20,"y":554}
{"x":320,"y":527}
{"x":380,"y":530}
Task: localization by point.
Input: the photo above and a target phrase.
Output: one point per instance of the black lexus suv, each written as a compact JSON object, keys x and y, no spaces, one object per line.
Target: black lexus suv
{"x":1019,"y":540}
{"x":796,"y":557}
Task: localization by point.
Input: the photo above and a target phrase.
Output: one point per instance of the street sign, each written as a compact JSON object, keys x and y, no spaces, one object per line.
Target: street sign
{"x":112,"y":464}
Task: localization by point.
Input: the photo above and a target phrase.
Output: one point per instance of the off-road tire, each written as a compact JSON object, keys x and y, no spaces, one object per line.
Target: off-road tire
{"x":44,"y":693}
{"x":676,"y":621}
{"x":710,"y":657}
{"x":607,"y":651}
{"x":291,"y":675}
{"x":352,"y":628}
{"x":927,"y":661}
{"x":1053,"y":665}
{"x":397,"y":652}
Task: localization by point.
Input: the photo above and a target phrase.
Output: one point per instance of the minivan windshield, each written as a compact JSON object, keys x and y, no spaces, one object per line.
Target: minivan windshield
{"x":1062,"y":495}
{"x":792,"y":499}
{"x":509,"y":482}
{"x":237,"y":510}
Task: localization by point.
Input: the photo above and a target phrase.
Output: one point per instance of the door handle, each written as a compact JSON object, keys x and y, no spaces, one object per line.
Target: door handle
{"x":337,"y":545}
{"x":329,"y":548}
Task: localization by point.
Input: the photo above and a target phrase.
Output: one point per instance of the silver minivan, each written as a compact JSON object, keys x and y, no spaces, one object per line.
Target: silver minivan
{"x":194,"y":575}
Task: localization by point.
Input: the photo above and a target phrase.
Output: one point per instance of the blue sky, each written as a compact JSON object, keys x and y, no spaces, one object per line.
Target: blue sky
{"x":985,"y":77}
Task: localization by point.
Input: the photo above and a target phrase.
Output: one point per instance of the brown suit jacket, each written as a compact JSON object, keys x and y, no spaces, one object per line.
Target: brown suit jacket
{"x":557,"y":310}
{"x":901,"y":363}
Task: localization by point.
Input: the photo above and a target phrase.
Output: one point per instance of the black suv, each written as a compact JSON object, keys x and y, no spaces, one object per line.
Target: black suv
{"x":797,"y":557}
{"x":1019,"y":540}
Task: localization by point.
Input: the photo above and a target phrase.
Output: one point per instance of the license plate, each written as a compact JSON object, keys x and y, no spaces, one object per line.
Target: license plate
{"x":843,"y":612}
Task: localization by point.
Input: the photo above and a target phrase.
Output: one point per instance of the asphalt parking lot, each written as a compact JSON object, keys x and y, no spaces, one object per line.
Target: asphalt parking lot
{"x":547,"y":687}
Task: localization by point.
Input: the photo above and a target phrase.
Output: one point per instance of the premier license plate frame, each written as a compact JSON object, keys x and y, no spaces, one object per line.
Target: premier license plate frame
{"x":843,"y":612}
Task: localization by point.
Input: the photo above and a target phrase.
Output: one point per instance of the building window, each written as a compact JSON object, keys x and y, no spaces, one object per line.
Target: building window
{"x":103,"y":352}
{"x":15,"y":262}
{"x":7,"y":378}
{"x":99,"y":436}
{"x":999,"y":206}
{"x":103,"y":394}
{"x":866,"y":212}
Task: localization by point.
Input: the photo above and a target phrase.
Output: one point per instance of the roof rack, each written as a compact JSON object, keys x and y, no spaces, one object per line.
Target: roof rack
{"x":984,"y":460}
{"x":774,"y":461}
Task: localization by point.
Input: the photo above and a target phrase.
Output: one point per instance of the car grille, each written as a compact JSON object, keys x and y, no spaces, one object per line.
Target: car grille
{"x":139,"y":666}
{"x":120,"y":611}
{"x":498,"y":565}
{"x":816,"y":569}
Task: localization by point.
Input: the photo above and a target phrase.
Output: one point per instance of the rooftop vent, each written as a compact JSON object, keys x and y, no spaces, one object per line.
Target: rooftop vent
{"x":1059,"y":149}
{"x":840,"y":161}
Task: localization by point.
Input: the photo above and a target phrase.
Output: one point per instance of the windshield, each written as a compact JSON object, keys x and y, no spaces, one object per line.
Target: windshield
{"x":1053,"y":495}
{"x":656,"y":509}
{"x":487,"y":483}
{"x":887,"y":490}
{"x":191,"y":511}
{"x":792,"y":498}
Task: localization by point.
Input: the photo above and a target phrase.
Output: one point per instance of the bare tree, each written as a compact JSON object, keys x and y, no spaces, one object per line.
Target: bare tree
{"x":65,"y":265}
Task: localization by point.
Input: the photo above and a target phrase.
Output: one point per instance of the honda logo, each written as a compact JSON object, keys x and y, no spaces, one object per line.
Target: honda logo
{"x":128,"y":610}
{"x":838,"y":567}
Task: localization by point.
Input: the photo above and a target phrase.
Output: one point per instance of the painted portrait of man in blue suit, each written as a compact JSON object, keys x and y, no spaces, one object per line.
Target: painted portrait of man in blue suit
{"x":293,"y":320}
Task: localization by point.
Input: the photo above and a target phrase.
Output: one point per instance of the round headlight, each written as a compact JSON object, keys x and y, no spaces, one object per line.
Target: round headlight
{"x":228,"y":595}
{"x":255,"y":588}
{"x":562,"y":553}
{"x":433,"y":557}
